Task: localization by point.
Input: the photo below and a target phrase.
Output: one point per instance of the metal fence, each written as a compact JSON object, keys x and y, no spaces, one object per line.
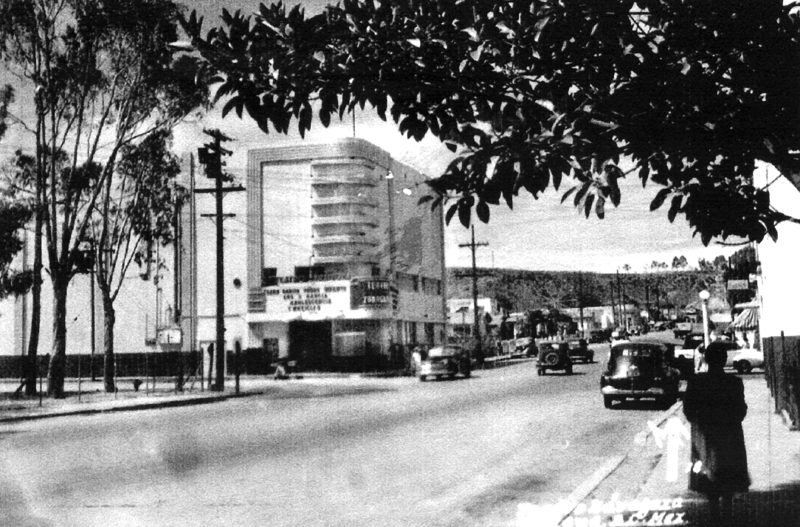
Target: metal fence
{"x":782,"y":368}
{"x":251,"y":361}
{"x":185,"y":365}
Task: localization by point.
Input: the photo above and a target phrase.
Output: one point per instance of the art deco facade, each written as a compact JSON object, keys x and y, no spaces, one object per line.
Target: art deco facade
{"x":343,"y":263}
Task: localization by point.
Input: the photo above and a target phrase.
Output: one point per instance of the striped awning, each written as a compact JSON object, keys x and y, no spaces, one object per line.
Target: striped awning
{"x":747,"y":319}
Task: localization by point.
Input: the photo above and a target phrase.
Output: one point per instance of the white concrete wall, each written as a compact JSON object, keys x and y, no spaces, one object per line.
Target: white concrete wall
{"x":779,"y":284}
{"x":235,"y":265}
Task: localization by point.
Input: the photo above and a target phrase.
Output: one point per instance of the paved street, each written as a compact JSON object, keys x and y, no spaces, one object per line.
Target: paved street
{"x":324,"y":452}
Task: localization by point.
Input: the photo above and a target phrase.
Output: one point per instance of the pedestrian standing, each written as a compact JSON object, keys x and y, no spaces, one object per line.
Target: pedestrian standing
{"x":281,"y":370}
{"x":416,"y":359}
{"x":714,"y":405}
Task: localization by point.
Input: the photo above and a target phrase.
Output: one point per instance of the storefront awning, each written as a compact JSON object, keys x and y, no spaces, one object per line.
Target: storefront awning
{"x":746,"y":320}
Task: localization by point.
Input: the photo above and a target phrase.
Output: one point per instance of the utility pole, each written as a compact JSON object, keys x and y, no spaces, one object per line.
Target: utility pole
{"x":210,"y":155}
{"x":580,"y":301}
{"x":176,"y":289}
{"x":477,"y":331}
{"x":91,"y":301}
{"x":621,"y":298}
{"x":614,"y":304}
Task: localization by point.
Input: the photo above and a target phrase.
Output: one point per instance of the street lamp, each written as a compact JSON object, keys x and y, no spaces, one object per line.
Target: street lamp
{"x":704,"y":296}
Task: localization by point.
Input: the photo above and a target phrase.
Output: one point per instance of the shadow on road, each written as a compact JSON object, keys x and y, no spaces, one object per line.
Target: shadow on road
{"x":327,"y":391}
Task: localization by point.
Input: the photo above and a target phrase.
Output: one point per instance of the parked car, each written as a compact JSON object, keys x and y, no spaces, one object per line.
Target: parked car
{"x":746,"y":359}
{"x":579,"y":350}
{"x":444,"y":361}
{"x":599,"y":335}
{"x":554,"y":356}
{"x":640,"y":370}
{"x":693,"y":344}
{"x":523,"y":347}
{"x":620,"y":334}
{"x":682,"y":329}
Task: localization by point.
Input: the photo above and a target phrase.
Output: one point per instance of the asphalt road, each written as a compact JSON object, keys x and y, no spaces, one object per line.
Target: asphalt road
{"x":343,"y":452}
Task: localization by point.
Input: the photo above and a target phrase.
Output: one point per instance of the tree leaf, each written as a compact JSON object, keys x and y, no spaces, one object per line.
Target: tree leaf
{"x":464,"y":212}
{"x":587,"y":206}
{"x":482,"y":210}
{"x":674,"y":207}
{"x":584,"y":188}
{"x":450,"y":213}
{"x":659,"y":199}
{"x":600,"y":207}
{"x":644,"y":173}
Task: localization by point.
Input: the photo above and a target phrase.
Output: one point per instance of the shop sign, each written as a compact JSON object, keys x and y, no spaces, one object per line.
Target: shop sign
{"x":738,"y":285}
{"x":370,"y":293}
{"x":322,"y":298}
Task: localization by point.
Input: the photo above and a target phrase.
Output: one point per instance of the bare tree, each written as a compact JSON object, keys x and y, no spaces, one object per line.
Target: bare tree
{"x":103,"y":80}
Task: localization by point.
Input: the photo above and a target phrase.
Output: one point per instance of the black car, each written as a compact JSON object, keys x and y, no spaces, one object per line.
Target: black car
{"x":445,"y":361}
{"x":579,"y":350}
{"x":640,"y":370}
{"x":554,"y":356}
{"x":599,"y":335}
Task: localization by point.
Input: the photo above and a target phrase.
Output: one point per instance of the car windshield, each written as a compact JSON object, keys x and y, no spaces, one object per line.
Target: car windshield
{"x":443,"y":352}
{"x":645,"y":359}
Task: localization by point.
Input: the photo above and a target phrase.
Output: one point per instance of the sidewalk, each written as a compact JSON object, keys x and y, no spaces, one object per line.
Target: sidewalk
{"x":88,"y":397}
{"x":773,"y":454}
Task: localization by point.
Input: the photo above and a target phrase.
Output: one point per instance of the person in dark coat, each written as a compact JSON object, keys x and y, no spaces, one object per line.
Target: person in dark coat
{"x":714,"y":405}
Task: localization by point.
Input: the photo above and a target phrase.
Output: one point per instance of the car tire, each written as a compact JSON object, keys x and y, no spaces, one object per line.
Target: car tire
{"x":422,"y":378}
{"x":608,"y":402}
{"x":539,"y":371}
{"x":467,"y":374}
{"x":551,"y":359}
{"x":568,"y":369}
{"x":590,"y":359}
{"x":743,"y":366}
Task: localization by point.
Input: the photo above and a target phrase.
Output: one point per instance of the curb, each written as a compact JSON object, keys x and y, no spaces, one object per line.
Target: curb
{"x":592,"y":482}
{"x":132,"y":407}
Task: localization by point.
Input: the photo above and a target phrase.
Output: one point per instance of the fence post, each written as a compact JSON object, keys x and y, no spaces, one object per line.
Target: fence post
{"x":40,"y":381}
{"x":793,"y":379}
{"x":237,"y":347}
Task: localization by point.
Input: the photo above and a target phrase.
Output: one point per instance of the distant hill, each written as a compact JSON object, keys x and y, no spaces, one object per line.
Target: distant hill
{"x":518,"y":290}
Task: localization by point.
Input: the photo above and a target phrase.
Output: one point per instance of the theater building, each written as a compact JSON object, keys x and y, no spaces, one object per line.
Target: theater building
{"x":345,"y":269}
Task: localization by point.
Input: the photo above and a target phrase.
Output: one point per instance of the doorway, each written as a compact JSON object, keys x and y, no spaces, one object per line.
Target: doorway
{"x":310,"y":343}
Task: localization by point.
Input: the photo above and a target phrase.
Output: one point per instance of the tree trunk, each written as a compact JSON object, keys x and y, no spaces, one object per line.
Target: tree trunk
{"x":109,"y":319}
{"x":55,"y":372}
{"x":31,"y":371}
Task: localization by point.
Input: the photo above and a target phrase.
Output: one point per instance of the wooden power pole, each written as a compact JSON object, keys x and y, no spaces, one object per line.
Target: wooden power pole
{"x":477,"y":328}
{"x":211,"y":156}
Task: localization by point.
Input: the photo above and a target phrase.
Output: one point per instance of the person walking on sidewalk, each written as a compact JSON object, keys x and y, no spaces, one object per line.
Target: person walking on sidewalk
{"x":714,"y":405}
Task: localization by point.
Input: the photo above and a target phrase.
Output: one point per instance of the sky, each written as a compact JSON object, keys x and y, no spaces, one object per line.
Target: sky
{"x":541,"y":234}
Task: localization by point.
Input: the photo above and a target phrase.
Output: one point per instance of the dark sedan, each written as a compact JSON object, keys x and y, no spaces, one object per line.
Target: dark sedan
{"x":579,"y":350}
{"x":445,"y":361}
{"x":640,"y":370}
